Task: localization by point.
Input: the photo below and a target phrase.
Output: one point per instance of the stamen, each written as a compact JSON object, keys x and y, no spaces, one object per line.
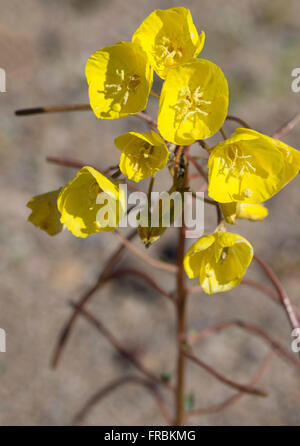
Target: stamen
{"x":189,"y":104}
{"x":167,"y":52}
{"x":239,"y":163}
{"x":121,"y":90}
{"x":139,"y":158}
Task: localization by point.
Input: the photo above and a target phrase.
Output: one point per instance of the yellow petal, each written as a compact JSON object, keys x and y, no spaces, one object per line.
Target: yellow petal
{"x":292,"y":161}
{"x":120,"y":80}
{"x":79,"y":205}
{"x":193,"y":103}
{"x":194,"y":255}
{"x":169,"y":38}
{"x":45,"y":213}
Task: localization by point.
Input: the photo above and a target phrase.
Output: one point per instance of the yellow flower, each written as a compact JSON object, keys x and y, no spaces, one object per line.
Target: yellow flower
{"x":193,"y":103}
{"x":143,"y":154}
{"x":44,"y":213}
{"x":91,"y":203}
{"x":250,"y":167}
{"x":233,"y":210}
{"x":169,"y":38}
{"x":120,"y":80}
{"x":221,"y":260}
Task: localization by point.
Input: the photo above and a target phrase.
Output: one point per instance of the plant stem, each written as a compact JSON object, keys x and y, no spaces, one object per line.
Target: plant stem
{"x":76,"y":107}
{"x":238,"y":120}
{"x":197,"y":166}
{"x":63,"y":108}
{"x":284,"y":297}
{"x":181,"y":306}
{"x":286,"y":128}
{"x":223,"y":133}
{"x":181,"y":300}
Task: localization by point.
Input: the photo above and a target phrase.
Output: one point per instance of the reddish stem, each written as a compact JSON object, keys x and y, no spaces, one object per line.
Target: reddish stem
{"x":237,"y":396}
{"x":106,"y":390}
{"x":121,"y":349}
{"x":286,"y":128}
{"x":67,"y":329}
{"x":285,"y":300}
{"x":276,"y":346}
{"x":222,"y":378}
{"x":181,"y":306}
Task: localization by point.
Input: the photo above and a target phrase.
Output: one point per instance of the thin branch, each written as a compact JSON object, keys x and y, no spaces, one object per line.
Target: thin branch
{"x":223,"y":133}
{"x":116,"y":274}
{"x":237,"y":396}
{"x":194,"y":176}
{"x":85,"y":298}
{"x":204,"y":145}
{"x":276,"y":346}
{"x":121,"y":349}
{"x":206,"y":200}
{"x":147,"y":259}
{"x":119,"y":382}
{"x":81,"y":107}
{"x":222,"y":378}
{"x":286,"y":302}
{"x":135,"y":272}
{"x":63,"y":108}
{"x":220,"y":217}
{"x":268,"y":291}
{"x":110,"y":168}
{"x":67,"y":162}
{"x":197,"y":166}
{"x":150,"y":188}
{"x":238,"y":120}
{"x":147,"y":118}
{"x":263,"y":288}
{"x":286,"y":128}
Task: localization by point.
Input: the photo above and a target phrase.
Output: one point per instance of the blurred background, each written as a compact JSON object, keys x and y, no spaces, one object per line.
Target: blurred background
{"x":44,"y":46}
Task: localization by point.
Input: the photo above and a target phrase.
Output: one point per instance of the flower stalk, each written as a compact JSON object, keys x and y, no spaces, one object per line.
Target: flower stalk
{"x":181,"y":327}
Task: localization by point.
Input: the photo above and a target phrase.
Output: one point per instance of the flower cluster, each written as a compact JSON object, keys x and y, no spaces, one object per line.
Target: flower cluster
{"x":244,"y":170}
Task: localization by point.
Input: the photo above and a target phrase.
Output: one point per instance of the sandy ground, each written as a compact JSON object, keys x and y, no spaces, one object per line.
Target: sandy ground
{"x":43,"y":48}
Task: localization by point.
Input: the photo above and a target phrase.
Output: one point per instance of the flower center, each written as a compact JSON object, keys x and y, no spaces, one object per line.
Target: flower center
{"x":238,"y":162}
{"x":126,"y":83}
{"x":167,"y":52}
{"x":147,"y":150}
{"x":144,"y":154}
{"x":189,"y":104}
